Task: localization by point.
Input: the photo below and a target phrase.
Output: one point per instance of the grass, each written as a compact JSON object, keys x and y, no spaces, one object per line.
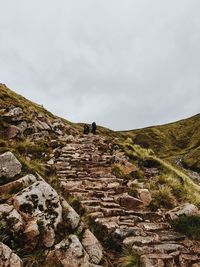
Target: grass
{"x":188,"y":225}
{"x":163,"y":198}
{"x":128,"y":259}
{"x":117,"y":171}
{"x":182,"y":188}
{"x":170,"y":141}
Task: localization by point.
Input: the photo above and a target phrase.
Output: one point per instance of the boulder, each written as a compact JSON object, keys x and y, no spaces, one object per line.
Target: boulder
{"x":186,"y":209}
{"x":145,"y":196}
{"x":8,"y":258}
{"x":9,"y":165}
{"x":69,"y":253}
{"x":92,"y":247}
{"x":40,"y":202}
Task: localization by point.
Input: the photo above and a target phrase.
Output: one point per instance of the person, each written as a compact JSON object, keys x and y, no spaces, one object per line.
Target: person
{"x":86,"y":129}
{"x":94,"y":128}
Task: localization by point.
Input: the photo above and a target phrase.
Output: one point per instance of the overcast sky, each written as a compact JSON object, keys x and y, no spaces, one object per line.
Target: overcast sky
{"x":122,"y":63}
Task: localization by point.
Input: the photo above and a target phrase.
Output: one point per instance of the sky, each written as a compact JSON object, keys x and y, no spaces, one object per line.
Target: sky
{"x":124,"y":64}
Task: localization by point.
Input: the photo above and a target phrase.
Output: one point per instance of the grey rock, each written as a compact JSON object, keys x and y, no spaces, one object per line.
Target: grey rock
{"x":186,"y":209}
{"x":92,"y":246}
{"x":69,"y":253}
{"x":9,"y":165}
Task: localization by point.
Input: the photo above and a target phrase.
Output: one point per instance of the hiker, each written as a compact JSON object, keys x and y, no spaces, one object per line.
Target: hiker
{"x":86,"y":129}
{"x":94,"y":128}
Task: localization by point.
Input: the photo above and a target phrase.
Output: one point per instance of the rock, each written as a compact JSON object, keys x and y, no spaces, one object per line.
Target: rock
{"x":71,"y":215}
{"x":18,"y":184}
{"x":69,"y":253}
{"x":49,"y":237}
{"x":157,"y":260}
{"x":160,"y":248}
{"x":145,"y":196}
{"x":15,"y":114}
{"x":140,"y":240}
{"x":41,"y":125}
{"x":92,"y":247}
{"x":130,"y":231}
{"x":186,"y":209}
{"x":32,"y":230}
{"x":153,"y":226}
{"x":9,"y":165}
{"x":129,"y":202}
{"x":13,"y":131}
{"x":70,"y":139}
{"x":40,"y":202}
{"x":187,"y":260}
{"x":8,"y":258}
{"x":11,"y":218}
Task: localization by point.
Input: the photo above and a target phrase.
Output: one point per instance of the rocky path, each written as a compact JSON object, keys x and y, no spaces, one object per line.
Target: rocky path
{"x":84,"y":168}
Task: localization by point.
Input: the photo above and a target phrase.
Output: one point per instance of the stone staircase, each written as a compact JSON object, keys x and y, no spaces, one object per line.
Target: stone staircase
{"x":84,"y":168}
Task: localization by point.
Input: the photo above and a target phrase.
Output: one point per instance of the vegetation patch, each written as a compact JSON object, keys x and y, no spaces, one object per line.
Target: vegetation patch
{"x":189,"y":225}
{"x":129,"y":259}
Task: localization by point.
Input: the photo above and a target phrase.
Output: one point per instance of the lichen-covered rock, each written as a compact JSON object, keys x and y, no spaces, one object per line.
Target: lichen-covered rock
{"x":71,"y":215}
{"x":69,"y":253}
{"x":40,"y":202}
{"x":9,"y":165}
{"x":186,"y":209}
{"x":8,"y":258}
{"x":14,"y":114}
{"x":92,"y":247}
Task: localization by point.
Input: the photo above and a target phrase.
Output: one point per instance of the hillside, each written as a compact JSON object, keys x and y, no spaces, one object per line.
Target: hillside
{"x":173,"y":141}
{"x":69,"y":199}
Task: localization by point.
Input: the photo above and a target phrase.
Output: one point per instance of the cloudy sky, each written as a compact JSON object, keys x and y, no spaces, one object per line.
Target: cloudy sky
{"x":124,"y":64}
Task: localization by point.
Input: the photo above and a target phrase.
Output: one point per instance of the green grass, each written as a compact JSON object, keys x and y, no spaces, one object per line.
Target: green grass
{"x":180,"y":184}
{"x":188,"y":225}
{"x":180,"y":139}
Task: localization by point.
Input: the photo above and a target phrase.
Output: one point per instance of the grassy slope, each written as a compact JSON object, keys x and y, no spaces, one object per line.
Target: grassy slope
{"x":175,"y":140}
{"x":162,"y":144}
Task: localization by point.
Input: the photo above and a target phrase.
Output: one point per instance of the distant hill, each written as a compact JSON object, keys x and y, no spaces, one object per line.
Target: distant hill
{"x":173,"y":141}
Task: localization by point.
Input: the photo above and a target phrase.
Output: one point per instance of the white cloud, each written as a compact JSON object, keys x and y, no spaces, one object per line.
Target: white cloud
{"x":125,"y":64}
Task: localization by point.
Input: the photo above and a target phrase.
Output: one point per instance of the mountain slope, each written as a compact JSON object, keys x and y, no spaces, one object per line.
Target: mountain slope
{"x":178,"y":140}
{"x":69,"y":199}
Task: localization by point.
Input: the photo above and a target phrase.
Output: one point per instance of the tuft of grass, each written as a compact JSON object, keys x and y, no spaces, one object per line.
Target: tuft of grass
{"x":117,"y":171}
{"x":162,"y":197}
{"x":129,"y":259}
{"x":188,"y":225}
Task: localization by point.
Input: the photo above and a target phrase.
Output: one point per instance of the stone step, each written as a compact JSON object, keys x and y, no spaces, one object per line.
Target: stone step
{"x":109,"y":205}
{"x":149,"y":226}
{"x":165,"y":248}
